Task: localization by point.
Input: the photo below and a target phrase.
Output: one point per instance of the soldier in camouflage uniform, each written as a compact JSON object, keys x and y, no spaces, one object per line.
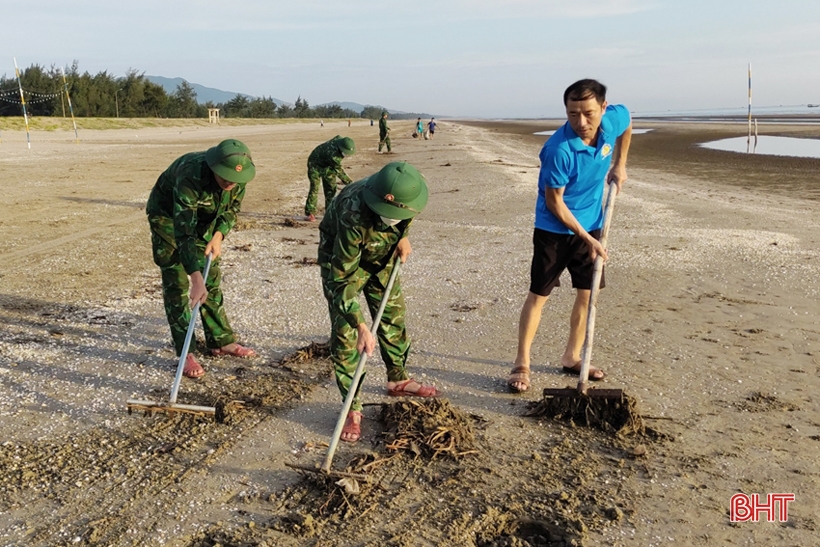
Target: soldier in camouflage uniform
{"x":191,"y":209}
{"x":325,"y":163}
{"x":384,"y":133}
{"x":365,"y":226}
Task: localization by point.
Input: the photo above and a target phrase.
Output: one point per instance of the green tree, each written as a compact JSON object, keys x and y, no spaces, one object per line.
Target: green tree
{"x":301,"y":108}
{"x":238,"y":107}
{"x":155,"y":100}
{"x":372,"y":112}
{"x":183,"y":102}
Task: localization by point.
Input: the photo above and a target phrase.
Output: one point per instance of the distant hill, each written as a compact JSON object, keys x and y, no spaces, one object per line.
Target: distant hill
{"x":216,"y":96}
{"x":358,"y":107}
{"x":203,"y":94}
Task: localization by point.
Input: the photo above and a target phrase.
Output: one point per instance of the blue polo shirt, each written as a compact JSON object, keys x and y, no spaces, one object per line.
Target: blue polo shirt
{"x":567,"y":162}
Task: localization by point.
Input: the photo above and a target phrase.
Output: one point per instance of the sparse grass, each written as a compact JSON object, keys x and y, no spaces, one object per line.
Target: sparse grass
{"x":16,"y":123}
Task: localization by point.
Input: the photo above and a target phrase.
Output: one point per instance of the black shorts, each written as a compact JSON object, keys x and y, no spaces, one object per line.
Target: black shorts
{"x":553,"y":253}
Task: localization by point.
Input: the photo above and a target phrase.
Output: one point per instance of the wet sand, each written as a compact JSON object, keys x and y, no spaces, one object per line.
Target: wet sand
{"x":674,"y":146}
{"x":708,"y":320}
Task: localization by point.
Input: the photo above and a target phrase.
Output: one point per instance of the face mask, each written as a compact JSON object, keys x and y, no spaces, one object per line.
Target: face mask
{"x":389,"y":221}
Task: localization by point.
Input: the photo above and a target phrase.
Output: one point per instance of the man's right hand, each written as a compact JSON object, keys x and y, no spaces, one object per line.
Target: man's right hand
{"x":365,"y":342}
{"x":198,"y":292}
{"x":596,"y":249}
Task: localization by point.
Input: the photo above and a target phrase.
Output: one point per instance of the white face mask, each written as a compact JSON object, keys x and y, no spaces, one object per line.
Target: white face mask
{"x":389,"y":221}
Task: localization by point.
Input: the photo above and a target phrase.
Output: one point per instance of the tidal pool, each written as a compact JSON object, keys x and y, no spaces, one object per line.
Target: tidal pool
{"x":770,"y":146}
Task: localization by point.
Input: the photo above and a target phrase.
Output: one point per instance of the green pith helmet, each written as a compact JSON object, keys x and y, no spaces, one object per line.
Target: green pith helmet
{"x":346,"y":146}
{"x":232,"y":161}
{"x":384,"y":113}
{"x":398,"y":191}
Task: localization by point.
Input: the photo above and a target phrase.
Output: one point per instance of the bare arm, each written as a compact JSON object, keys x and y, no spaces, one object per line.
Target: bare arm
{"x":617,"y":173}
{"x":556,"y":205}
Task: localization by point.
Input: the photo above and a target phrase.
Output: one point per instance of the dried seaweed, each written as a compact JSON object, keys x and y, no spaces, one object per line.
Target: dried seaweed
{"x":430,"y":428}
{"x":615,"y":415}
{"x":314,"y":351}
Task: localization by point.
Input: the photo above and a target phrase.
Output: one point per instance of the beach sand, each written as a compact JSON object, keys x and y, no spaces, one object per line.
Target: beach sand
{"x":708,"y":320}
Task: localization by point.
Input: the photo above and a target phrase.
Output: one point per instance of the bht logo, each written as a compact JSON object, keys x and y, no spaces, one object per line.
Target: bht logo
{"x":745,"y":508}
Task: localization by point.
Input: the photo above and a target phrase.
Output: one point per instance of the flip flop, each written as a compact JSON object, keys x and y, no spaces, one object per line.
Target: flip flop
{"x":519,"y":375}
{"x":424,"y":391}
{"x":577,"y":372}
{"x":351,"y":427}
{"x":192,"y":369}
{"x":239,"y":351}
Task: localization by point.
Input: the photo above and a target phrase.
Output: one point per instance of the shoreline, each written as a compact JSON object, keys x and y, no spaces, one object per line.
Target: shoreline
{"x":674,"y":146}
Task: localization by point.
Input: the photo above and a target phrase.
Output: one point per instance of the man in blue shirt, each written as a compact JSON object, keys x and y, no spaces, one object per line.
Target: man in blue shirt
{"x":575,"y":162}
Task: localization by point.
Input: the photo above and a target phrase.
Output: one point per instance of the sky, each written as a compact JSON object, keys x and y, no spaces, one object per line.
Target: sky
{"x":467,"y":58}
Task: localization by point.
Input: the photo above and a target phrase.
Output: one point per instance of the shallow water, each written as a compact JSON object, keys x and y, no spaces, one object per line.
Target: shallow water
{"x":770,"y":146}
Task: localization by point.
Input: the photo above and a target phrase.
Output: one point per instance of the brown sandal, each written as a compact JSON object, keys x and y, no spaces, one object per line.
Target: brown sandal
{"x":351,"y":428}
{"x":519,"y":375}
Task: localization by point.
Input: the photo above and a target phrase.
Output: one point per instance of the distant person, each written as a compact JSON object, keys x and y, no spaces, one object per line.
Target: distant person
{"x":348,"y":122}
{"x":371,"y":123}
{"x":325,"y":163}
{"x":575,"y":165}
{"x":431,"y":127}
{"x":322,"y":123}
{"x":191,"y":209}
{"x":364,"y":228}
{"x":419,"y":128}
{"x":384,"y":133}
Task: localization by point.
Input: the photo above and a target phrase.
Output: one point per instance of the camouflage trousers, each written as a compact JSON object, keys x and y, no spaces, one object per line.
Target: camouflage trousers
{"x":391,"y":335}
{"x":328,"y":178}
{"x":218,"y":332}
{"x":384,"y":141}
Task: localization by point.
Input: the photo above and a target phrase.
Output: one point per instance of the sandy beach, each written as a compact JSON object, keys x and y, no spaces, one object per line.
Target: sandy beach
{"x":708,"y":320}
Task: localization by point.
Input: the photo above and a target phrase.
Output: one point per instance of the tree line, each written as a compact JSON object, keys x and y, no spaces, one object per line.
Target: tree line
{"x":104,"y":95}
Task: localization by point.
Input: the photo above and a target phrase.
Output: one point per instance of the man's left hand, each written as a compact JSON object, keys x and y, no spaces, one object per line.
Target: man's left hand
{"x":403,"y":249}
{"x":214,"y":245}
{"x":617,"y":175}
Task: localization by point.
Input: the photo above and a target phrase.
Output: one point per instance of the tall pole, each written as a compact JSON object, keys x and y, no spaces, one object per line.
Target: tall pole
{"x":70,"y":108}
{"x":117,"y":101}
{"x":23,"y":100}
{"x":749,"y":135}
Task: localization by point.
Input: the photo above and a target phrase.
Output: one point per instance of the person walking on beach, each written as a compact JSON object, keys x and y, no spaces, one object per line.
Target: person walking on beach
{"x":384,"y":133}
{"x":191,"y":209}
{"x":419,"y":127}
{"x":575,"y":164}
{"x":431,"y":127}
{"x":364,"y":228}
{"x":325,"y":163}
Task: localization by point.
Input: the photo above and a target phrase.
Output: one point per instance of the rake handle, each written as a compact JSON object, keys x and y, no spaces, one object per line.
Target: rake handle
{"x":354,"y":384}
{"x":597,"y":274}
{"x":188,"y":336}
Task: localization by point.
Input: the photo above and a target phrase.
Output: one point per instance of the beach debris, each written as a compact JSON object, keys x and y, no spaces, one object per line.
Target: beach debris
{"x":617,"y":415}
{"x":431,"y":429}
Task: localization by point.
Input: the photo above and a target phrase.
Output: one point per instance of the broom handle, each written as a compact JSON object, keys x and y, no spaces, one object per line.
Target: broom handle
{"x":583,"y":380}
{"x":354,"y":384}
{"x":188,"y":336}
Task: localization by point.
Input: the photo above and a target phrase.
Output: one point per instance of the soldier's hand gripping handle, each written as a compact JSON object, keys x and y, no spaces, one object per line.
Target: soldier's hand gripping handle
{"x":214,"y":246}
{"x":365,"y":341}
{"x":403,"y":249}
{"x":198,"y":293}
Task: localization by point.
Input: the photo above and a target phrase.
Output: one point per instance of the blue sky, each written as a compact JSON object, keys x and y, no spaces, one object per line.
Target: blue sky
{"x":487,"y":58}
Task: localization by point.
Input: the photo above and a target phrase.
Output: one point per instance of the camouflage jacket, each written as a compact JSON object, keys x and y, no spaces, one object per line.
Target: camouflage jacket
{"x":188,"y":193}
{"x":355,"y":244}
{"x":383,"y":129}
{"x":327,"y":156}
